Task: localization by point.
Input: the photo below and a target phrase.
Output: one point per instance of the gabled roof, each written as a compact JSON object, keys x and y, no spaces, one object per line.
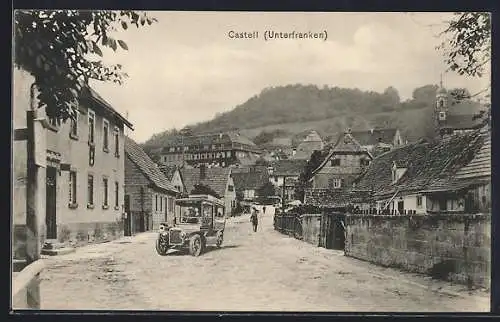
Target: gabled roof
{"x":207,"y":139}
{"x":215,"y":178}
{"x":336,"y":198}
{"x":476,"y":172}
{"x":144,"y":163}
{"x":426,"y":163}
{"x":346,"y":144}
{"x":90,"y":93}
{"x":460,"y":122}
{"x":311,"y":143}
{"x":168,"y":170}
{"x":250,"y":180}
{"x":291,"y":167}
{"x":374,"y":136}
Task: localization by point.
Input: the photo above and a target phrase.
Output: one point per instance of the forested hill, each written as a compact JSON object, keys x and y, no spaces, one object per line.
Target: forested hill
{"x":285,"y":108}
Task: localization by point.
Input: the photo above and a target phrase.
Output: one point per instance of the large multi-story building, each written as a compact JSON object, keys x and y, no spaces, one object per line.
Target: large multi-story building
{"x":220,"y":150}
{"x":83,"y":170}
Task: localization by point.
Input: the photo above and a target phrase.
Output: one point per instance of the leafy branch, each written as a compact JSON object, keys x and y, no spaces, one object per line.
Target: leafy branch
{"x":55,"y":46}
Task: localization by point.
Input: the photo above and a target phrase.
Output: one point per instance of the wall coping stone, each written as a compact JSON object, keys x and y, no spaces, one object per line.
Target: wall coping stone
{"x":21,"y":279}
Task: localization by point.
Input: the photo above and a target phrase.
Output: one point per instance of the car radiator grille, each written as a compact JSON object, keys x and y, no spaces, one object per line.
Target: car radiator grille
{"x":175,"y":237}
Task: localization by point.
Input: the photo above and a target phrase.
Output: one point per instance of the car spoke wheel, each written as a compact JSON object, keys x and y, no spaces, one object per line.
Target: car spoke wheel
{"x":195,"y":245}
{"x":220,"y":239}
{"x":161,"y":249}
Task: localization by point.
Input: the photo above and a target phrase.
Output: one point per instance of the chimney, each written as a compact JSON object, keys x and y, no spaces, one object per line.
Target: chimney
{"x":203,"y":171}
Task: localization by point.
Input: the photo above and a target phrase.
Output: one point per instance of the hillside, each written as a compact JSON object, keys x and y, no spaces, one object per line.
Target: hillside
{"x":283,"y":115}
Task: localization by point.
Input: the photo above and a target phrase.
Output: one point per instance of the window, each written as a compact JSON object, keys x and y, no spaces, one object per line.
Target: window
{"x":91,"y":127}
{"x":230,"y":188}
{"x":117,"y":142}
{"x":335,"y":162}
{"x":419,"y":201}
{"x":72,"y":188}
{"x":156,"y":202}
{"x":161,"y":203}
{"x":73,"y":130}
{"x":105,"y":136}
{"x":442,"y":204}
{"x":116,"y":195}
{"x":442,"y":116}
{"x":90,"y":191}
{"x":335,"y":183}
{"x":364,"y":162}
{"x":105,"y":192}
{"x":275,"y":179}
{"x":393,"y":175}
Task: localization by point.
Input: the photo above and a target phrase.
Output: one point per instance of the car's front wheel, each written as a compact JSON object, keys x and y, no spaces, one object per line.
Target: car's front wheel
{"x":195,"y":245}
{"x":161,"y":248}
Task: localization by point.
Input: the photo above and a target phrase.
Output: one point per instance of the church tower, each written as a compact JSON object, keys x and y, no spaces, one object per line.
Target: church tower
{"x":441,"y":108}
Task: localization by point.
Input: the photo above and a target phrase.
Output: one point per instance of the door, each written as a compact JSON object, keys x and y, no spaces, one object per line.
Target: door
{"x":339,"y":242}
{"x":401,"y":206}
{"x":128,"y":218}
{"x":51,"y":201}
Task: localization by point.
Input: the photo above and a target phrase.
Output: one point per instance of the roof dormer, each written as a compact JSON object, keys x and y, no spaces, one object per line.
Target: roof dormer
{"x":399,"y":168}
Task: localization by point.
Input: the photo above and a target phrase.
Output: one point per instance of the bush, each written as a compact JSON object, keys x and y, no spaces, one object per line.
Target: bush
{"x":64,"y":234}
{"x":98,"y":234}
{"x":82,"y":235}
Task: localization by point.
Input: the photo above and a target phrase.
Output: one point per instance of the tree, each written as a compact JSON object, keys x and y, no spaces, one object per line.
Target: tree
{"x":467,"y":50}
{"x":467,"y":43}
{"x":201,"y":189}
{"x":56,"y":47}
{"x":265,"y":191}
{"x":314,"y":162}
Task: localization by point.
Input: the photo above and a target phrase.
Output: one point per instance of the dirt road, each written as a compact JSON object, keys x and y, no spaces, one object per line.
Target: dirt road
{"x":263,"y":271}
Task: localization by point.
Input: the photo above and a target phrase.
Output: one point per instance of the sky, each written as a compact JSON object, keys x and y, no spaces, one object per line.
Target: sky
{"x":185,"y":68}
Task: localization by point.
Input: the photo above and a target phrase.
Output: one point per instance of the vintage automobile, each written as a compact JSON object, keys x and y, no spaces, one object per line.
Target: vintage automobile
{"x":199,"y":222}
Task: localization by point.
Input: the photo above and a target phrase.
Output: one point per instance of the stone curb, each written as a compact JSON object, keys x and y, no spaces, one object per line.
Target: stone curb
{"x":59,"y":251}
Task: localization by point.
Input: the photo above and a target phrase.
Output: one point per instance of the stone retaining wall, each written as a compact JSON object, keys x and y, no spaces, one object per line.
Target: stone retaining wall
{"x":454,"y":247}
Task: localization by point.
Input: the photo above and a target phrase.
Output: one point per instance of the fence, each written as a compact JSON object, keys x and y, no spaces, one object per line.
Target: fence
{"x":289,"y":224}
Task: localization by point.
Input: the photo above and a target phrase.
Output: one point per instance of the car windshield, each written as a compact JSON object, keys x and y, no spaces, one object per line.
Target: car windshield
{"x":190,"y":214}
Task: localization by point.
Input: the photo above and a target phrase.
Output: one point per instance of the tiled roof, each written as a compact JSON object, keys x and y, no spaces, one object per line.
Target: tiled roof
{"x":150,"y":170}
{"x":476,"y":172}
{"x":460,"y":121}
{"x":346,"y":144}
{"x":215,"y":178}
{"x":373,"y":136}
{"x":336,"y":198}
{"x":250,"y":180}
{"x":168,"y":170}
{"x":481,"y":164}
{"x":291,"y":167}
{"x":208,"y":139}
{"x":311,"y":143}
{"x":426,"y":162}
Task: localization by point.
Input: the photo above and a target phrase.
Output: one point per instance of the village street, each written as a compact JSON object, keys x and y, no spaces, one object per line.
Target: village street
{"x":263,"y":271}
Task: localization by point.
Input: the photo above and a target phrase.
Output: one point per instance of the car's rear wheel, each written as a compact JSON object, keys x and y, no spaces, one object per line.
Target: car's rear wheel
{"x":220,"y":240}
{"x":195,"y":245}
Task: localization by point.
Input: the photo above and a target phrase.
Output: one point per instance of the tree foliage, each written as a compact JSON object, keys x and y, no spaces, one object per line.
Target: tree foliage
{"x":314,"y":162}
{"x":467,"y":43}
{"x":467,"y":48}
{"x":57,"y":47}
{"x":266,"y":190}
{"x":200,"y":189}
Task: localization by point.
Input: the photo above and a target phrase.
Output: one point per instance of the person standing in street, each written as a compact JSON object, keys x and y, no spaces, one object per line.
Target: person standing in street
{"x":264,"y":210}
{"x":254,"y":219}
